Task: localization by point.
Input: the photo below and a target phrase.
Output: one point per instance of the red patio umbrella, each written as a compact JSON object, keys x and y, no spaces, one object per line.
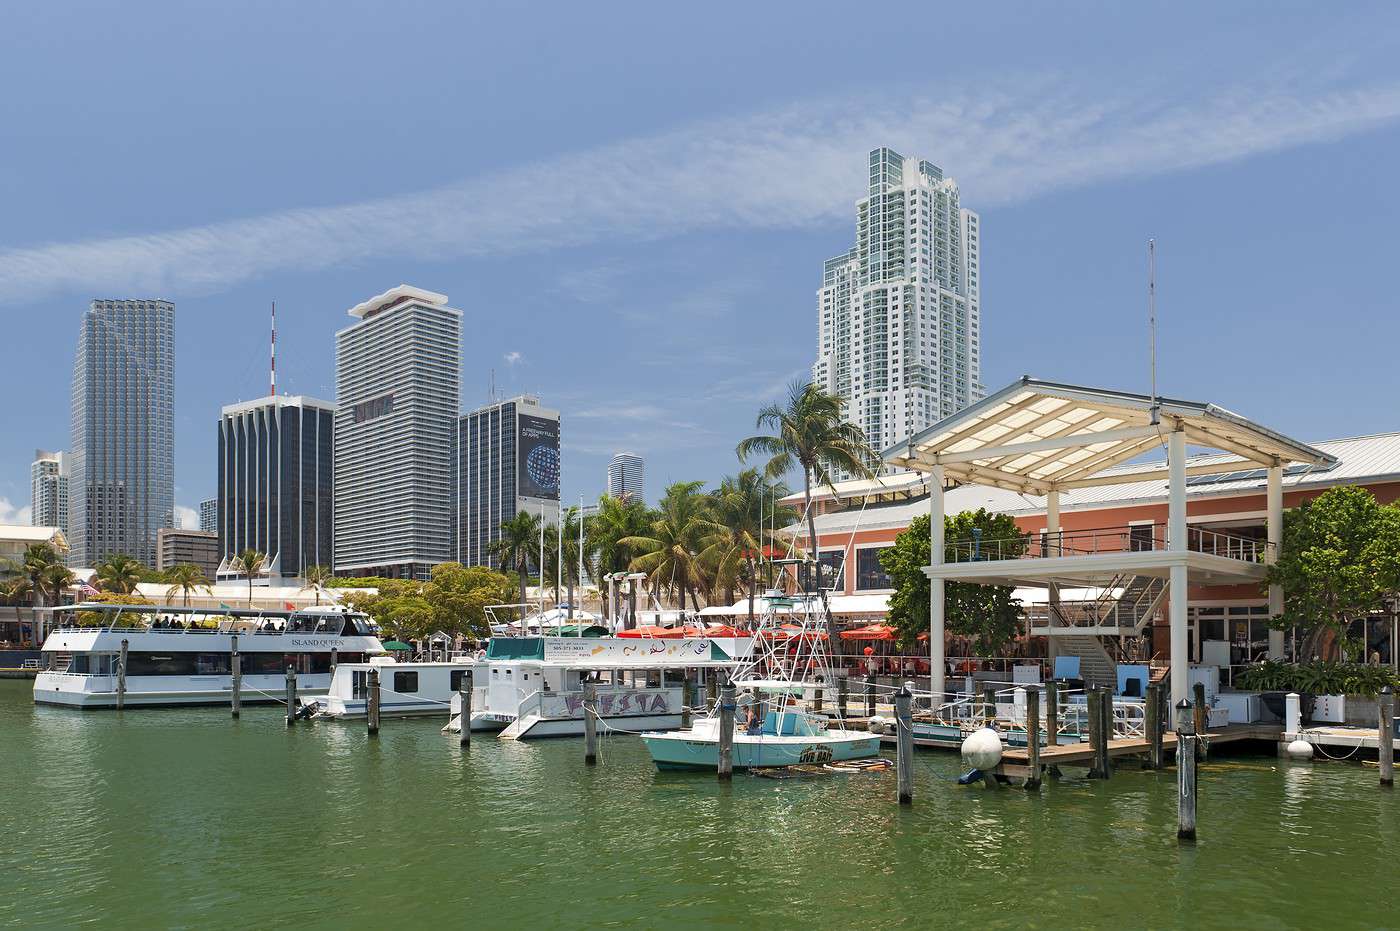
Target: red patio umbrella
{"x":870,"y":632}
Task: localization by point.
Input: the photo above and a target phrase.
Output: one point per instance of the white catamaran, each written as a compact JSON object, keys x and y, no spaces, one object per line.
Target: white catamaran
{"x":158,"y":655}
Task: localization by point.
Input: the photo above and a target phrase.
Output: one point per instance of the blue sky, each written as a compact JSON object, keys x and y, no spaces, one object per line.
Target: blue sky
{"x":631,"y":202}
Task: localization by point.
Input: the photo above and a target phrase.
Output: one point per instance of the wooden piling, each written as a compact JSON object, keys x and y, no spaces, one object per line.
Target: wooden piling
{"x":121,"y":676}
{"x":685,"y":701}
{"x":1033,"y":736}
{"x":464,"y":693}
{"x":869,"y":696}
{"x":1153,"y":725}
{"x":590,"y":724}
{"x":290,"y":694}
{"x":1094,"y":709}
{"x":711,"y":688}
{"x":1198,"y":718}
{"x":842,"y":687}
{"x":1185,"y":771}
{"x":725,"y":763}
{"x":904,"y":742}
{"x":235,"y":663}
{"x":1106,"y":723}
{"x":1386,"y":735}
{"x":372,"y":703}
{"x":1052,"y":713}
{"x":989,"y":703}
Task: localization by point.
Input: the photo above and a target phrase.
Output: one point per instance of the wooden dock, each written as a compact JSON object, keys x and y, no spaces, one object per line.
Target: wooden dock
{"x":1015,"y":760}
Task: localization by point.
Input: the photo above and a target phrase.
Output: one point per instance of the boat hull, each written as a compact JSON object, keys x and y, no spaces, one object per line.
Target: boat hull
{"x":685,"y":751}
{"x":82,"y":691}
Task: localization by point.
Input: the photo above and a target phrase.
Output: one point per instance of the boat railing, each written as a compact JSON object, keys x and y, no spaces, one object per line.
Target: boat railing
{"x":197,"y":631}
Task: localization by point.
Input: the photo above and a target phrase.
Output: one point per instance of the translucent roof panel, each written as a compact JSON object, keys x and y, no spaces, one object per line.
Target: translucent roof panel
{"x":1034,"y":435}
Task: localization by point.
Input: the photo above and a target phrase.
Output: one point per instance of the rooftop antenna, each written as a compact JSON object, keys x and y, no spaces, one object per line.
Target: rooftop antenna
{"x":1152,"y":323}
{"x":493,"y":386}
{"x":273,"y":392}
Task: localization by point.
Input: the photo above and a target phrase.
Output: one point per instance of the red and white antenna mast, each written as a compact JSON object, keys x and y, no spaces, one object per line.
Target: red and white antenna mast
{"x":274,"y":349}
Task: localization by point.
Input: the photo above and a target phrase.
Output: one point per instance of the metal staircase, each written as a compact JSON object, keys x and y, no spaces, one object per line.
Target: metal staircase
{"x":1139,"y":598}
{"x":1096,"y":667}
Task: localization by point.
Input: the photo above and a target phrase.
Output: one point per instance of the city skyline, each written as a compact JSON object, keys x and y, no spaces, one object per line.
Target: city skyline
{"x":644,"y":258}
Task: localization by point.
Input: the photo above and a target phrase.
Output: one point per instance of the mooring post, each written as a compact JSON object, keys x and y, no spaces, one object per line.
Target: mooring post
{"x":372,"y":706}
{"x":1386,"y":743}
{"x":711,"y":688}
{"x":989,"y":703}
{"x":1052,"y":713}
{"x":235,"y":664}
{"x":842,"y":685}
{"x":1033,"y":736}
{"x":464,"y":692}
{"x":904,"y":742}
{"x":1094,"y":710}
{"x":590,"y":725}
{"x":1106,"y":721}
{"x":869,"y":696}
{"x":725,"y":764}
{"x":817,"y":700}
{"x":1199,"y":719}
{"x":335,"y":660}
{"x":121,"y":676}
{"x":290,"y":694}
{"x":1185,"y":771}
{"x":1153,"y":725}
{"x":685,"y":701}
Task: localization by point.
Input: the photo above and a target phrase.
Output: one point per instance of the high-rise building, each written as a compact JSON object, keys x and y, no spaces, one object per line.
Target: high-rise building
{"x":122,"y":484}
{"x":48,"y":490}
{"x":175,"y":547}
{"x":899,"y":315}
{"x":276,"y":483}
{"x":209,"y":515}
{"x":398,"y":377}
{"x":509,"y":463}
{"x":626,"y":475}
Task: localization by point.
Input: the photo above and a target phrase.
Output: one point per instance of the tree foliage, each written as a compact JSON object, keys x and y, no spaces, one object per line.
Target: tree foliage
{"x":987,"y":614}
{"x":120,"y":574}
{"x":454,"y":601}
{"x":1339,"y":561}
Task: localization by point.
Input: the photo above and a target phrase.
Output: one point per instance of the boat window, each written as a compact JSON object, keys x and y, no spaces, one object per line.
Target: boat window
{"x":160,"y":664}
{"x":495,"y":673}
{"x":405,"y":682}
{"x":359,"y":684}
{"x":80,"y":663}
{"x":211,"y":664}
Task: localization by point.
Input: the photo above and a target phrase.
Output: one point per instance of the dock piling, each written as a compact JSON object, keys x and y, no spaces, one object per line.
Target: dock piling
{"x":842,"y":687}
{"x":869,"y":696}
{"x":464,"y":692}
{"x":989,"y":703}
{"x":1052,"y":713}
{"x":1106,"y":723}
{"x":1092,"y":710}
{"x":1386,"y":736}
{"x":121,"y":676}
{"x":372,"y":703}
{"x":725,"y":762}
{"x":335,"y":659}
{"x":1033,"y":736}
{"x":1199,"y":719}
{"x":904,"y":742}
{"x":1185,"y":771}
{"x":685,"y":701}
{"x":1153,"y":724}
{"x":711,"y":688}
{"x":235,"y":663}
{"x":290,"y":694}
{"x":590,"y":725}
{"x":817,"y":700}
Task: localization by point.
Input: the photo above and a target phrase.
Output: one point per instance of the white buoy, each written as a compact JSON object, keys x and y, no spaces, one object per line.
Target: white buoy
{"x":1299,"y":749}
{"x":982,"y":749}
{"x":876,"y":725}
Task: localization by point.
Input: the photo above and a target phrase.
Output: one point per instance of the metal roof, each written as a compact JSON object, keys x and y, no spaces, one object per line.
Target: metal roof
{"x":1034,"y":436}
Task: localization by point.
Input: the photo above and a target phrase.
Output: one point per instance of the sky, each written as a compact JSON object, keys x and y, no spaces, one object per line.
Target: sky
{"x":630,"y":202}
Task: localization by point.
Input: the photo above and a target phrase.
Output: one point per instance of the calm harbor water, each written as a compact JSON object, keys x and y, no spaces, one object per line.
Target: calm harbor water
{"x":183,"y":818}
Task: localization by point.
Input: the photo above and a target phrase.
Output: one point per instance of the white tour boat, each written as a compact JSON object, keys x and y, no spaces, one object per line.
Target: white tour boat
{"x":404,"y":688}
{"x":528,"y":687}
{"x":159,"y":655}
{"x":772,"y":727}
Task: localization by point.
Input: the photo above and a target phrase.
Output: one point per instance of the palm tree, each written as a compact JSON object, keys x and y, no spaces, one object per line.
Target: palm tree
{"x":569,"y":555}
{"x":615,"y":520}
{"x":185,"y":578}
{"x":32,"y":568}
{"x":669,"y":554}
{"x":119,"y":573}
{"x":316,"y":578}
{"x":519,"y":542}
{"x":55,"y":578}
{"x":744,"y":507}
{"x":810,"y":432}
{"x":250,"y":562}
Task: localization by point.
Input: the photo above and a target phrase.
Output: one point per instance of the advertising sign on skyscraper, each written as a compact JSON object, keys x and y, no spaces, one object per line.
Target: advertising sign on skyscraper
{"x":537,"y":452}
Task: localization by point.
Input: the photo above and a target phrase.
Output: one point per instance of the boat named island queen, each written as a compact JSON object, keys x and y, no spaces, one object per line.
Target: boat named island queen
{"x":142,"y":655}
{"x":773,"y":727}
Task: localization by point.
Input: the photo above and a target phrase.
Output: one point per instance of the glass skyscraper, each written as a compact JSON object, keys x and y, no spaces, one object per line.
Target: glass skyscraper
{"x":276,"y":483}
{"x":899,"y":315}
{"x":626,"y":475}
{"x":398,"y":377}
{"x":509,"y":463}
{"x":122,"y":477}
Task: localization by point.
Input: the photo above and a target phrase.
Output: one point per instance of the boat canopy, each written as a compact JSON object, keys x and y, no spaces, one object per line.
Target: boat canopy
{"x":515,"y":648}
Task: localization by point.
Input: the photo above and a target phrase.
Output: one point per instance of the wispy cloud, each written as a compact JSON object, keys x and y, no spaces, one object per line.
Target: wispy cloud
{"x":13,"y":514}
{"x":794,"y":167}
{"x":186,"y":517}
{"x":513,"y":357}
{"x":621,"y":412}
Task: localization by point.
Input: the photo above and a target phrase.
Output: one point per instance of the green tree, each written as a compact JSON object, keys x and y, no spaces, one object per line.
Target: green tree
{"x":518,"y":546}
{"x":988,"y":614}
{"x":743,"y":508}
{"x":459,"y":596}
{"x":316,"y":579}
{"x":1339,"y":561}
{"x":810,"y":432}
{"x":669,"y":553}
{"x":184,"y":579}
{"x":119,"y":574}
{"x":33,"y":575}
{"x":250,"y":562}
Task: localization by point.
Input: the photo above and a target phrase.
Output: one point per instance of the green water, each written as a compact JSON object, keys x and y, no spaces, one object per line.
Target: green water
{"x":183,"y":818}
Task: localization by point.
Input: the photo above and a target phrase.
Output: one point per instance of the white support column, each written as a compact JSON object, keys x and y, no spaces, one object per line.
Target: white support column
{"x":1052,"y":538}
{"x":1275,"y":533}
{"x":938,"y":664}
{"x":1176,"y":542}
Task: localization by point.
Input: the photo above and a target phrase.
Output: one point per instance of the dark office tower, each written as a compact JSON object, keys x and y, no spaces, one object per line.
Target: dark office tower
{"x":509,"y":462}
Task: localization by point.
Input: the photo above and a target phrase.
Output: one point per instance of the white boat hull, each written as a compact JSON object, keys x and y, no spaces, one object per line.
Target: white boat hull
{"x":699,"y":749}
{"x":84,"y":691}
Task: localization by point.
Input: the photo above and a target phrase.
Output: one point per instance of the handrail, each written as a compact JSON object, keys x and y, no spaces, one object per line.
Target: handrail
{"x":1125,"y":538}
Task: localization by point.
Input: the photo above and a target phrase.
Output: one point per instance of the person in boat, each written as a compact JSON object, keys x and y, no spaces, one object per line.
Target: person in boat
{"x":752,"y":722}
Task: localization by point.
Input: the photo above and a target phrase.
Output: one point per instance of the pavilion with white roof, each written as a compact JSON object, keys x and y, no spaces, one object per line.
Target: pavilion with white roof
{"x":1043,"y":438}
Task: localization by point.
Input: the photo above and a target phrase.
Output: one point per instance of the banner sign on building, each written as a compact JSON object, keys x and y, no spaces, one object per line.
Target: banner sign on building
{"x":537,"y":457}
